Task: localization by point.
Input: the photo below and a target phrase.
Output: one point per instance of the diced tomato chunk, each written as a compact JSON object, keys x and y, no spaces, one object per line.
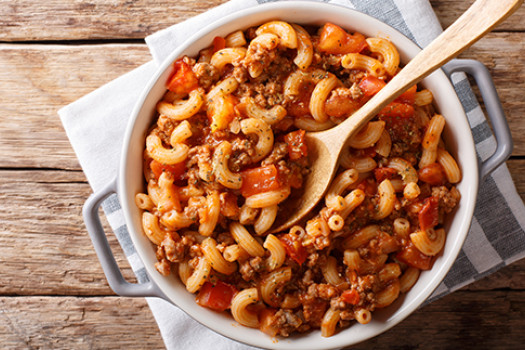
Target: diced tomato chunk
{"x":218,"y":43}
{"x":400,"y":122}
{"x":182,"y":80}
{"x":371,"y":85}
{"x":296,"y":144}
{"x":335,"y":40}
{"x":341,"y":105}
{"x":384,"y":173}
{"x":429,"y":215}
{"x":258,"y":180}
{"x":410,"y":255}
{"x":366,"y":152}
{"x":229,"y":206}
{"x":351,"y":296}
{"x":294,"y":248}
{"x":299,"y":106}
{"x":266,"y":322}
{"x":433,"y":174}
{"x":177,"y":171}
{"x":217,"y":297}
{"x":284,"y":124}
{"x":221,"y":111}
{"x":408,"y":96}
{"x":397,"y":109}
{"x":368,"y":186}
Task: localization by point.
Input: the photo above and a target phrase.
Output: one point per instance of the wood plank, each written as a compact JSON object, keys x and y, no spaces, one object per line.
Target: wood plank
{"x":455,"y":322}
{"x":41,"y":79}
{"x":463,"y":320}
{"x":44,"y":246}
{"x":40,"y":218}
{"x":25,"y":20}
{"x":448,"y":11}
{"x":77,"y":323}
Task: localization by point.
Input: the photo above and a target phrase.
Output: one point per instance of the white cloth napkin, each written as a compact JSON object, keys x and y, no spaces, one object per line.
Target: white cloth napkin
{"x":95,"y":126}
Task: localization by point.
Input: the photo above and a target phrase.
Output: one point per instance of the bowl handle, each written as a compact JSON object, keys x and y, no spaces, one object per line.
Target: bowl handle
{"x":490,"y":97}
{"x":113,"y":274}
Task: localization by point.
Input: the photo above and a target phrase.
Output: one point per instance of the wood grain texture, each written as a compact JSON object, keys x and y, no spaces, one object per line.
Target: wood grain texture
{"x":44,"y":246}
{"x":448,"y":11}
{"x":25,"y":20}
{"x":458,"y":321}
{"x":77,"y":323}
{"x":40,"y":80}
{"x":462,"y":320}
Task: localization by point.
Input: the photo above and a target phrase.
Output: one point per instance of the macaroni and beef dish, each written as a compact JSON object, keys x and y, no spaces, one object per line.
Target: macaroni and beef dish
{"x":227,"y":149}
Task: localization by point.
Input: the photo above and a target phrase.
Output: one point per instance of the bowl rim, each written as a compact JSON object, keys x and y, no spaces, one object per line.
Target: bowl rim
{"x":126,"y":198}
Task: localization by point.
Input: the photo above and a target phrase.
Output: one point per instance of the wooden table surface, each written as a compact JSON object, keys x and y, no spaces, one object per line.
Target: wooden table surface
{"x":53,"y":293}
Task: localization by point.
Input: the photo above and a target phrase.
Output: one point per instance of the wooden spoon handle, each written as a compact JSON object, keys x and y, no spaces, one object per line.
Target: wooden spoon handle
{"x":479,"y":19}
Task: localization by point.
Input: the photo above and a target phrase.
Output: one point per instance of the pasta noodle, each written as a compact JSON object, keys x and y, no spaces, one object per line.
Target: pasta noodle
{"x":150,"y":223}
{"x":208,"y":222}
{"x":214,"y":256}
{"x":239,"y":303}
{"x":277,"y":252}
{"x":265,"y":220}
{"x":235,"y":39}
{"x":267,"y":199}
{"x":199,"y":275}
{"x":268,"y":42}
{"x":330,"y":273}
{"x":387,"y":51}
{"x":245,"y":240}
{"x":264,"y":136}
{"x":273,"y":281}
{"x":221,"y":169}
{"x":305,"y":49}
{"x":163,"y":155}
{"x":362,"y":62}
{"x":227,"y":56}
{"x":387,"y":198}
{"x":234,"y":252}
{"x":181,"y":110}
{"x":333,"y":198}
{"x":283,"y":30}
{"x":319,"y":96}
{"x":330,"y":319}
{"x":368,"y":136}
{"x":269,"y":116}
{"x":431,"y":140}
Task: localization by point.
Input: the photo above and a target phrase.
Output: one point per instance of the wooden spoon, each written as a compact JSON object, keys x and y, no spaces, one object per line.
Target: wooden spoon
{"x":324,"y":147}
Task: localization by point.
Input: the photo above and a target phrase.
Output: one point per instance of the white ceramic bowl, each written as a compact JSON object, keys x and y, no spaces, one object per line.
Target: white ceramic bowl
{"x":457,"y":136}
